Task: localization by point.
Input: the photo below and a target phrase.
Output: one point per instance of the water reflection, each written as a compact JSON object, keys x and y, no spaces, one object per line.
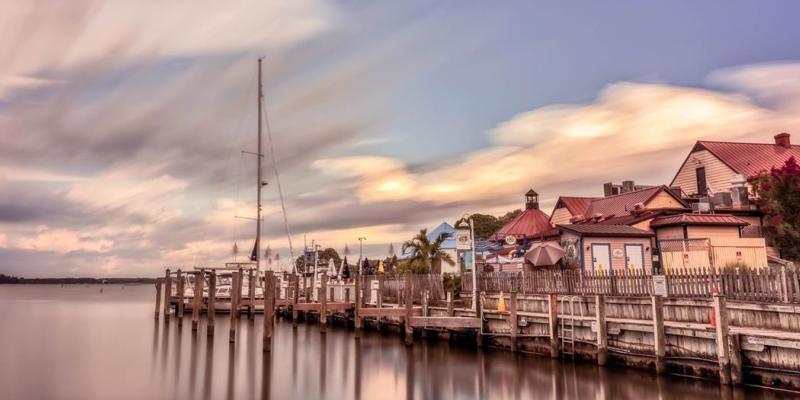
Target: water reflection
{"x":91,"y":342}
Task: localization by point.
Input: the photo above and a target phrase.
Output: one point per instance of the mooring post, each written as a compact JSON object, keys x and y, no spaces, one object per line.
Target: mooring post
{"x":212,"y":298}
{"x":239,"y":288}
{"x":323,"y":307}
{"x":552,"y":319}
{"x":512,"y":321}
{"x":425,"y":312}
{"x":479,"y":314}
{"x":602,"y":329}
{"x":167,"y":295}
{"x":269,"y":309}
{"x":180,"y":297}
{"x":737,"y":376}
{"x":295,"y":297}
{"x":379,"y":301}
{"x":234,"y":306}
{"x":721,"y":317}
{"x":251,"y":294}
{"x":197,"y":300}
{"x":658,"y":333}
{"x":158,"y":296}
{"x":450,"y":308}
{"x":409,"y":308}
{"x":356,"y":309}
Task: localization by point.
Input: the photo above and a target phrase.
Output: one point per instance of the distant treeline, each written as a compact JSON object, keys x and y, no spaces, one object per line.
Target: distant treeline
{"x":14,"y":279}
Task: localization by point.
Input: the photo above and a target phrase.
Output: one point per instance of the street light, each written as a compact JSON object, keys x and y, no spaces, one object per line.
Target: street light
{"x":361,"y":240}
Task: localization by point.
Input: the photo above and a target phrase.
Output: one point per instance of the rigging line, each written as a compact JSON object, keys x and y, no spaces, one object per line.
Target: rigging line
{"x":278,"y":183}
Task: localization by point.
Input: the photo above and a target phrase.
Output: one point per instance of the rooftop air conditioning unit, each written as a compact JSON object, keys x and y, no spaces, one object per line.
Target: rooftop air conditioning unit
{"x":722,"y":200}
{"x":576,"y":218}
{"x":700,"y":208}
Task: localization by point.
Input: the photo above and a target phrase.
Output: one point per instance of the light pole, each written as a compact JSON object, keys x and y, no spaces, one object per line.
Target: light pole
{"x":361,"y":240}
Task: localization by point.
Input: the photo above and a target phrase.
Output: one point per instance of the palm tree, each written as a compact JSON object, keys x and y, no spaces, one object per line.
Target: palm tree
{"x":425,"y":255}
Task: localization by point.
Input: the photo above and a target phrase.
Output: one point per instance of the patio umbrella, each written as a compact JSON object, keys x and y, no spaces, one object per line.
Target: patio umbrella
{"x":331,"y":268}
{"x":545,"y":253}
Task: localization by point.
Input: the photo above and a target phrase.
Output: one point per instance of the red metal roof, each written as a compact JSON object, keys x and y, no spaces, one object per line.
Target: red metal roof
{"x":575,"y":205}
{"x":600,"y":230}
{"x":530,"y":223}
{"x":699,"y":219}
{"x":750,"y":159}
{"x":619,"y":205}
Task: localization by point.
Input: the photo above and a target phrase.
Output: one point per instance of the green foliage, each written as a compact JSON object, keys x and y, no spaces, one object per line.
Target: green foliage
{"x":779,"y":198}
{"x":452,"y":282}
{"x":486,"y":225}
{"x":426,"y":256}
{"x":323,"y":255}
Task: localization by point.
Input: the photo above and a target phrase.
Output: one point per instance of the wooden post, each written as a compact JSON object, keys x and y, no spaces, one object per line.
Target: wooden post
{"x":180,"y":297}
{"x":425,"y":310}
{"x":512,"y":321}
{"x":167,"y":295}
{"x":197,"y":302}
{"x":409,"y":306}
{"x":737,"y":376}
{"x":552,"y":319}
{"x":251,"y":294}
{"x":356,"y":312}
{"x":602,"y":329}
{"x":379,"y":301}
{"x":323,"y":308}
{"x":450,"y":309}
{"x":158,"y":296}
{"x":479,"y":315}
{"x":658,"y":333}
{"x":234,"y":306}
{"x":295,"y":296}
{"x":269,"y":309}
{"x":212,"y":299}
{"x":721,"y":316}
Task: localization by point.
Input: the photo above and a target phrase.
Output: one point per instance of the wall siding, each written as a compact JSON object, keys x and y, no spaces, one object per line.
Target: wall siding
{"x":560,"y":216}
{"x":718,"y":175}
{"x":618,"y":263}
{"x":713,"y":232}
{"x":663,"y":200}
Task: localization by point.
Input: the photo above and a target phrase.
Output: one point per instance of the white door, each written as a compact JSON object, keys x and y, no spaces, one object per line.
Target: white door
{"x":634,"y":257}
{"x":601,"y":257}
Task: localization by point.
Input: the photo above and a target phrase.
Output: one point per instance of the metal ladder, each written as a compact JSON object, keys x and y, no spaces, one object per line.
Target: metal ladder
{"x":568,"y":324}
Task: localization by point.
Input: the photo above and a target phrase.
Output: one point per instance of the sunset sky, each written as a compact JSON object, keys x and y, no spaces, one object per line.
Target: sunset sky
{"x":122,"y":122}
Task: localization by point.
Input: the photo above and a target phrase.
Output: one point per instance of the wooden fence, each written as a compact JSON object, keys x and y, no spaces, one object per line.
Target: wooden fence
{"x":765,"y":285}
{"x":394,"y":287}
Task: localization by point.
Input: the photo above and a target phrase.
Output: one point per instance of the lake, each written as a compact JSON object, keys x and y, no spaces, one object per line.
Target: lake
{"x":76,"y":342}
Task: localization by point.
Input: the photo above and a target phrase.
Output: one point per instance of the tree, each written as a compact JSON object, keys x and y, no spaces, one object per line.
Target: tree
{"x":426,"y":256}
{"x":486,"y":225}
{"x":778,"y":195}
{"x":345,"y":270}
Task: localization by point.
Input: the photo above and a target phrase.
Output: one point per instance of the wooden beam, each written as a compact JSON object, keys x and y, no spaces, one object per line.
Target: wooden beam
{"x":158,"y":297}
{"x":721,"y":317}
{"x":379,"y":301}
{"x":234,"y":306}
{"x":602,"y":329}
{"x":323,"y":309}
{"x":197,"y":300}
{"x":357,"y":311}
{"x":450,"y":309}
{"x":181,"y":292}
{"x":295,"y":296}
{"x":269,"y":309}
{"x":251,"y":294}
{"x":212,"y":300}
{"x":512,"y":320}
{"x":167,"y":295}
{"x":446,"y":322}
{"x":409,"y":304}
{"x":737,"y":376}
{"x":658,"y":333}
{"x":552,"y":320}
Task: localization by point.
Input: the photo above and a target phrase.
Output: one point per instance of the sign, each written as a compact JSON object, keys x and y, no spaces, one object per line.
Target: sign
{"x":463,"y":240}
{"x":617,"y":253}
{"x":511,"y":240}
{"x":660,"y":285}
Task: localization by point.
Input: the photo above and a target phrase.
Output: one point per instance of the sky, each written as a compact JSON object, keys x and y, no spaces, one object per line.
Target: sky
{"x":122,"y":123}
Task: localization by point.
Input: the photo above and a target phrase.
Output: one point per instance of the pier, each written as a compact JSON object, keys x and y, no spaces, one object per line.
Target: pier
{"x":737,"y":327}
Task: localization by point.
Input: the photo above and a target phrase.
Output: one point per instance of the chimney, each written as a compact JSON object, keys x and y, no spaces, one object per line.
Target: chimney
{"x":782,"y":139}
{"x":627,"y":186}
{"x":608,"y":189}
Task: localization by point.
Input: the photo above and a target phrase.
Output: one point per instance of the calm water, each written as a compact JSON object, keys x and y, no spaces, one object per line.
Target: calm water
{"x":74,"y":342}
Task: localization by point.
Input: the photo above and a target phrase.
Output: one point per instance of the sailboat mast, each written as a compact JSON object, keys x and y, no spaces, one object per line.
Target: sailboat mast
{"x":258,"y":158}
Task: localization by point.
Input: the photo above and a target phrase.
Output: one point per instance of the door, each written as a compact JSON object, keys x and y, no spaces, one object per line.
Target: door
{"x":601,"y":257}
{"x":702,"y":187}
{"x":634,"y":257}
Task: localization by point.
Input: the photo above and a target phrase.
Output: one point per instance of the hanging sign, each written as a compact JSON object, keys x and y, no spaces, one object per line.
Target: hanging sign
{"x":463,"y":235}
{"x":511,"y":240}
{"x":660,"y":285}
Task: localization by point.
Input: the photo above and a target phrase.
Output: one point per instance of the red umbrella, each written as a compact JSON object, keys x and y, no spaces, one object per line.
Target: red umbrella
{"x":544,"y":253}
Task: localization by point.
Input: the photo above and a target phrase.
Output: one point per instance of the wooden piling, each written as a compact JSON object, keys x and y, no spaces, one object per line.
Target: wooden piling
{"x":602,"y":329}
{"x":737,"y":375}
{"x":552,"y":319}
{"x":512,"y":321}
{"x":197,"y":302}
{"x":251,"y":294}
{"x":409,"y":303}
{"x":356,"y":312}
{"x":658,"y":333}
{"x":167,"y":295}
{"x":323,"y":309}
{"x":450,"y":308}
{"x":158,"y":297}
{"x":212,"y":299}
{"x":479,"y":315}
{"x":269,"y":309}
{"x":234,"y":306}
{"x":379,"y":301}
{"x":721,"y":317}
{"x":295,"y":297}
{"x":181,"y":292}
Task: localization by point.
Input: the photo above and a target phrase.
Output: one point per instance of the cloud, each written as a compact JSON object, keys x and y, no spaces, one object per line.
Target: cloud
{"x":63,"y":241}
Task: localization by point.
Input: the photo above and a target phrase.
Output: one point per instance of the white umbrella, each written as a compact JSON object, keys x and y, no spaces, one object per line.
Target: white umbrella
{"x":331,"y":267}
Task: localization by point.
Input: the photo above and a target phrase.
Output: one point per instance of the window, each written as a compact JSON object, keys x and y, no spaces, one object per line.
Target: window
{"x":702,"y":187}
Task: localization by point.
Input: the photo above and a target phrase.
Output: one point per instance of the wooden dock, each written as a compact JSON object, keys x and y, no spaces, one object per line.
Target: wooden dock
{"x":734,"y":341}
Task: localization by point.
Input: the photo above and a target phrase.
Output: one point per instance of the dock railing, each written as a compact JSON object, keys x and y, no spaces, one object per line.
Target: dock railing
{"x":763,"y":285}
